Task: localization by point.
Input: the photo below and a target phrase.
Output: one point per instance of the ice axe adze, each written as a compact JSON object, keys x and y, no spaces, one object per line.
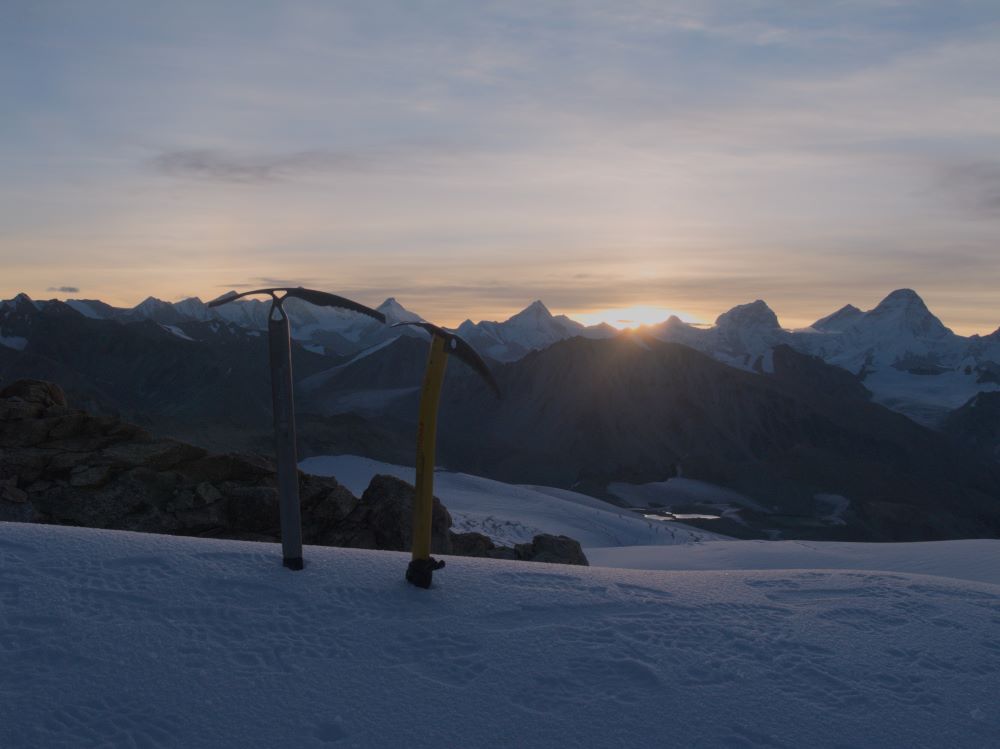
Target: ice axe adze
{"x":283,"y":403}
{"x":422,"y":565}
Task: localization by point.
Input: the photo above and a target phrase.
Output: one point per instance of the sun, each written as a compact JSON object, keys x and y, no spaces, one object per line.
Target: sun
{"x":626,"y":318}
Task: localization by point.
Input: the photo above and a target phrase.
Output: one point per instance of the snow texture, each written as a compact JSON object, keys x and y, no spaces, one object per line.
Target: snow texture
{"x":112,"y":639}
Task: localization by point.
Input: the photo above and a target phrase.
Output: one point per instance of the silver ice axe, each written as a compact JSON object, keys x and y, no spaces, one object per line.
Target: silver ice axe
{"x":283,"y":403}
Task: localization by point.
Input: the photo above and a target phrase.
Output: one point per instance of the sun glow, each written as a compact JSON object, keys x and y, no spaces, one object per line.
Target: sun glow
{"x":626,"y":318}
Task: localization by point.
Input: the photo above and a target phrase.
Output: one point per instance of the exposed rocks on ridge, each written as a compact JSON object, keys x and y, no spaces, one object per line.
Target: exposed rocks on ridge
{"x":63,"y":466}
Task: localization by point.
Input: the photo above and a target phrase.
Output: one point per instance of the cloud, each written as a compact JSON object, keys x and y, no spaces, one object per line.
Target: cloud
{"x":226,"y":166}
{"x":975,"y":185}
{"x":221,"y":165}
{"x":266,"y":282}
{"x":64,"y":289}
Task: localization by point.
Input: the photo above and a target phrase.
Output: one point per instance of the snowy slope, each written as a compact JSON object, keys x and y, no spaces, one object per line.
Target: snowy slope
{"x":975,"y":559}
{"x":906,"y":357}
{"x":511,"y":514}
{"x":114,"y":639}
{"x":619,"y":538}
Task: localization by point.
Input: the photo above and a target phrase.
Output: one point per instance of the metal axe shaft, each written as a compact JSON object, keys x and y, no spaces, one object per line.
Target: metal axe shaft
{"x":280,"y":349}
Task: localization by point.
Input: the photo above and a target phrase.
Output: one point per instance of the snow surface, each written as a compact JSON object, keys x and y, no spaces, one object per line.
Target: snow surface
{"x":511,"y":514}
{"x":320,"y":378}
{"x":177,"y":332}
{"x":110,"y":638}
{"x":976,"y":560}
{"x":925,"y":398}
{"x":15,"y":342}
{"x":83,"y":308}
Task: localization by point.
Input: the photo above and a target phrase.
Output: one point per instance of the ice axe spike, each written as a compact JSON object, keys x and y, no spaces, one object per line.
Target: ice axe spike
{"x":282,"y":399}
{"x":420,"y":572}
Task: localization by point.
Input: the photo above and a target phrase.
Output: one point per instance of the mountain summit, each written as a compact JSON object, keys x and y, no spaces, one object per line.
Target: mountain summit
{"x":756,"y":314}
{"x":839,"y":320}
{"x":906,"y":311}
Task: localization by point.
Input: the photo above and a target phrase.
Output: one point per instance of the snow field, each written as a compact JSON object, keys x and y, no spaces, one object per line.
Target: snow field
{"x":111,"y":639}
{"x":511,"y":514}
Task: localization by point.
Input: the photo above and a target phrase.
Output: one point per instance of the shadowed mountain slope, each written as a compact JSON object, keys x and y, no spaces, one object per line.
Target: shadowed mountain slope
{"x":583,"y":413}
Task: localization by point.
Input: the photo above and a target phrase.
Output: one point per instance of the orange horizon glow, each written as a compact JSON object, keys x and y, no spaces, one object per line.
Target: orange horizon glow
{"x":629,"y":318}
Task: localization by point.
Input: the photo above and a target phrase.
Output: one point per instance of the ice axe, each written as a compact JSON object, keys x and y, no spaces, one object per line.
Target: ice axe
{"x":422,"y":565}
{"x":283,"y":403}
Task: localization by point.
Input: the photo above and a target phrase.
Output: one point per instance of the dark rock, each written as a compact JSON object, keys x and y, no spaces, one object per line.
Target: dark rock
{"x":542,"y":548}
{"x":90,"y":475}
{"x":383,"y":519}
{"x":10,"y":493}
{"x":68,"y":467}
{"x":229,"y":467}
{"x":154,"y":453}
{"x":553,"y":549}
{"x":325,"y":505}
{"x":471,"y":544}
{"x":35,"y":391}
{"x":253,"y":508}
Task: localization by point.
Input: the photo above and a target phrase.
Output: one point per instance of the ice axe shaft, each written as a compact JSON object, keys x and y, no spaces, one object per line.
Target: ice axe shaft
{"x":430,"y":397}
{"x":443,"y":344}
{"x":279,"y":344}
{"x":280,"y":349}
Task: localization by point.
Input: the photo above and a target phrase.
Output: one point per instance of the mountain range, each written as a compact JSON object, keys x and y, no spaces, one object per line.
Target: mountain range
{"x":900,"y":350}
{"x":787,"y":418}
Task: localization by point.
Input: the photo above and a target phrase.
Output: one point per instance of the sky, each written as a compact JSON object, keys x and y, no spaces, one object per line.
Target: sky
{"x":468,"y":158}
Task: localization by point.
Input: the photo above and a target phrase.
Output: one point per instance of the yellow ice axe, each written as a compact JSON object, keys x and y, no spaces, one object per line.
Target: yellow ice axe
{"x":422,"y":565}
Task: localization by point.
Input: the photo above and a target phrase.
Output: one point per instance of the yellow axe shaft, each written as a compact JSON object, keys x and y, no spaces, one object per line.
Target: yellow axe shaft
{"x":423,"y":502}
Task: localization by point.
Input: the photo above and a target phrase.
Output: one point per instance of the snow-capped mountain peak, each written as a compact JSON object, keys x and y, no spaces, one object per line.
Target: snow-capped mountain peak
{"x":22,"y":303}
{"x":396,"y":313}
{"x":905,"y":311}
{"x":194,"y":308}
{"x":755,"y":315}
{"x":533,"y":328}
{"x":149,"y":304}
{"x":900,"y":299}
{"x":839,"y":320}
{"x":536,"y":311}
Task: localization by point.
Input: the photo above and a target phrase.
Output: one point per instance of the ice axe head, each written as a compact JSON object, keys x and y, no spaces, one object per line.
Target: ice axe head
{"x":319,"y":298}
{"x":279,"y":345}
{"x":455,"y":346}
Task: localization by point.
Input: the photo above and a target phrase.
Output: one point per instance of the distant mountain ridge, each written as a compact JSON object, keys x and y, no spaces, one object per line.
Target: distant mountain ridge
{"x":900,"y":350}
{"x":749,"y":411}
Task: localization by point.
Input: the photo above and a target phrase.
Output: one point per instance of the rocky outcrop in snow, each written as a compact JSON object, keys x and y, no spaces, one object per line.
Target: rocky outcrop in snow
{"x":63,"y":466}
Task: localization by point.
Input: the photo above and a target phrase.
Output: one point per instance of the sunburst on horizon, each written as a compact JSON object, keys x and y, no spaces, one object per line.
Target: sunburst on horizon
{"x":627,"y":318}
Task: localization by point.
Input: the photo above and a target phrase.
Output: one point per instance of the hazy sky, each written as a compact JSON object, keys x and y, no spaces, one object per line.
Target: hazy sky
{"x":469,"y":157}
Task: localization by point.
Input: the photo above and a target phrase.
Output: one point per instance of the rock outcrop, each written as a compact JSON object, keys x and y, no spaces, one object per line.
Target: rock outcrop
{"x":544,"y":547}
{"x":63,"y":466}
